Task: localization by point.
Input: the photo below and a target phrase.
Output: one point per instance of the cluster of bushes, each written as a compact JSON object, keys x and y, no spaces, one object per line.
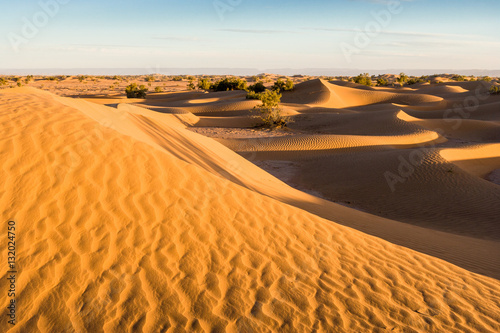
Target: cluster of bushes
{"x":415,"y":80}
{"x":486,"y":78}
{"x":363,"y":79}
{"x":150,"y":78}
{"x":3,"y":81}
{"x":382,"y":82}
{"x":281,"y":85}
{"x":226,"y":84}
{"x":134,"y":91}
{"x":495,"y":90}
{"x":177,"y":78}
{"x":457,"y":77}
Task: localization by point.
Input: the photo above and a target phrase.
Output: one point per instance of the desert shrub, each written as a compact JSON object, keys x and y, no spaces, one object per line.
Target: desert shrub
{"x":363,"y":79}
{"x":134,"y":91}
{"x":495,"y":90}
{"x":382,"y":82}
{"x":150,"y":78}
{"x":28,"y":79}
{"x":116,"y":78}
{"x":402,"y":78}
{"x":191,"y":78}
{"x":204,"y":84}
{"x":226,"y":84}
{"x":51,"y":78}
{"x":253,"y":95}
{"x":158,"y":89}
{"x":270,"y":112}
{"x":457,"y":77}
{"x":191,"y":85}
{"x":412,"y":81}
{"x":19,"y":84}
{"x":486,"y":78}
{"x":3,"y":81}
{"x":281,"y":85}
{"x":177,"y":78}
{"x":257,"y":87}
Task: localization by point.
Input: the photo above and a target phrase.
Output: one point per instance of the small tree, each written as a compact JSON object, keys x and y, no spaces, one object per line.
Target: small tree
{"x":270,"y":112}
{"x":134,"y":91}
{"x":150,"y":78}
{"x":191,"y":85}
{"x":486,"y":78}
{"x":158,"y":89}
{"x":204,"y":84}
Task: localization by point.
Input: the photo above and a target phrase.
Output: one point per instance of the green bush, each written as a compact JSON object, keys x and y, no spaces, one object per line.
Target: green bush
{"x":382,"y":82}
{"x":229,"y":84}
{"x":363,"y":79}
{"x":177,"y":78}
{"x":204,"y":84}
{"x":191,"y":85}
{"x":134,"y":91}
{"x":270,"y":112}
{"x":253,"y":95}
{"x":158,"y":89}
{"x":402,"y":78}
{"x":281,"y":85}
{"x":486,"y":78}
{"x":457,"y":77}
{"x":3,"y":81}
{"x":495,"y":90}
{"x":257,"y":87}
{"x":28,"y":79}
{"x":150,"y":78}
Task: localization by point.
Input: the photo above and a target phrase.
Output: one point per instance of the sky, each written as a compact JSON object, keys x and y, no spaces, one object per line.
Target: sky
{"x":363,"y":34}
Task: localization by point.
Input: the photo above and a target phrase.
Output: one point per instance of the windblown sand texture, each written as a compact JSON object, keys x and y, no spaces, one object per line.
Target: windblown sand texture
{"x":128,"y":221}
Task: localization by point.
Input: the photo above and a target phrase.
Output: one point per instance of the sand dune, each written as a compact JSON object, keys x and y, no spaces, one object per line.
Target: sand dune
{"x":320,"y":92}
{"x":300,"y":143}
{"x":127,"y":222}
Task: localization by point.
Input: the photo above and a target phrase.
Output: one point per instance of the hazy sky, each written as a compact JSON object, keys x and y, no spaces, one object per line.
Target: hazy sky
{"x":458,"y":34}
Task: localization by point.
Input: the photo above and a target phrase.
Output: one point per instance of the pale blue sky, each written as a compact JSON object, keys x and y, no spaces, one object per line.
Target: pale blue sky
{"x":459,"y":34}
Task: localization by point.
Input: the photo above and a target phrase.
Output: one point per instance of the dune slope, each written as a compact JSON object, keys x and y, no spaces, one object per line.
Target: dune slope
{"x":120,"y":232}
